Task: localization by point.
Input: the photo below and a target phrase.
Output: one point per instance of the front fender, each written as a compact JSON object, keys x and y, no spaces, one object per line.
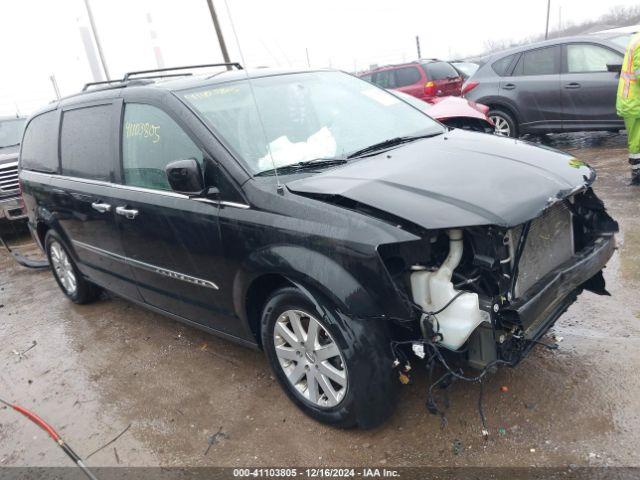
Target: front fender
{"x":310,"y":270}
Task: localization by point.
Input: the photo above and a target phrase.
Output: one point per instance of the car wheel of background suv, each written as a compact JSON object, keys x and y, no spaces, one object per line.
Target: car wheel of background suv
{"x":505,"y":124}
{"x":66,"y":273}
{"x":337,"y":369}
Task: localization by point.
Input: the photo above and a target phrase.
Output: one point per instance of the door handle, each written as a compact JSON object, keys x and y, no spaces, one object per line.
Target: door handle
{"x":572,"y":85}
{"x":101,"y":207}
{"x":509,"y":86}
{"x":128,"y":213}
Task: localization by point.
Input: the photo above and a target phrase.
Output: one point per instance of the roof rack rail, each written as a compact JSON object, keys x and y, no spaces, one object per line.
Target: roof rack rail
{"x":104,"y":82}
{"x":167,"y":75}
{"x":189,"y":67}
{"x":159,"y":74}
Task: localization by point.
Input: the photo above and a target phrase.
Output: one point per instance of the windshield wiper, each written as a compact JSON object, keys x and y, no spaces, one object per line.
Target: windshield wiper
{"x":392,"y":142}
{"x":12,"y":145}
{"x":306,"y":165}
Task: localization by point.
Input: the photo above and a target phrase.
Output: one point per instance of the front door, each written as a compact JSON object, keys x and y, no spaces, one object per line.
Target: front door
{"x":588,"y":89}
{"x":534,"y":86}
{"x":172,"y":242}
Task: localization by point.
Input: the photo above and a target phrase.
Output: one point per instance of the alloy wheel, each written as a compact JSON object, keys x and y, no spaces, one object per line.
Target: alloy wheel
{"x":63,"y":268}
{"x":310,"y":358}
{"x":501,"y":126}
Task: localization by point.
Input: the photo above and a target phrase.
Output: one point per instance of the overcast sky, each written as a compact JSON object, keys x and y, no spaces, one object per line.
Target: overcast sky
{"x":39,"y":38}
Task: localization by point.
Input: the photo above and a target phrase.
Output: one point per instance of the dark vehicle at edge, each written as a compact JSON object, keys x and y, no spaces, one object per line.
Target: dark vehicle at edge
{"x":11,"y":207}
{"x":562,"y":85}
{"x":165,"y":193}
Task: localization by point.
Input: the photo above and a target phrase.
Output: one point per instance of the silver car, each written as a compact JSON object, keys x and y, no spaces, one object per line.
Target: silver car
{"x":562,"y":85}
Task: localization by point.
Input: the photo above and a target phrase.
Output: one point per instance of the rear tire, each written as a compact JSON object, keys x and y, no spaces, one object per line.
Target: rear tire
{"x":504,"y":123}
{"x":65,"y":271}
{"x":358,"y":375}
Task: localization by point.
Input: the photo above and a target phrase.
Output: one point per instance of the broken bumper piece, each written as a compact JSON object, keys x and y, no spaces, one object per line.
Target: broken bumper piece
{"x":535,"y":312}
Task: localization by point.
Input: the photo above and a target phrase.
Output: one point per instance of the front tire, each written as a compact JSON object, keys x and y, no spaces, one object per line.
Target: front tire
{"x":338,"y":370}
{"x":66,"y":272}
{"x":504,"y":123}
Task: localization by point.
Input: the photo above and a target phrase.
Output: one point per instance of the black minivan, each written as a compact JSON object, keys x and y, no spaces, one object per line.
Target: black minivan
{"x":315,"y":216}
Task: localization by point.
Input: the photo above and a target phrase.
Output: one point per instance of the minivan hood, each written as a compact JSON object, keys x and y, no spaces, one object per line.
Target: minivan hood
{"x":454,"y":180}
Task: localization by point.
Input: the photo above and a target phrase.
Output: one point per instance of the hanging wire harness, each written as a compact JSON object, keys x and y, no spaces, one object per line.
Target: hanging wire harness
{"x":433,"y":354}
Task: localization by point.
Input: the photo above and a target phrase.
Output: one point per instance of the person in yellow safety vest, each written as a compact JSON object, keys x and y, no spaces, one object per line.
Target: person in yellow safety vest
{"x":628,"y":103}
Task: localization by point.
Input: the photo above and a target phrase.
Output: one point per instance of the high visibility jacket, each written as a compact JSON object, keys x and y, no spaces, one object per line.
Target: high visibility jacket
{"x":628,"y":100}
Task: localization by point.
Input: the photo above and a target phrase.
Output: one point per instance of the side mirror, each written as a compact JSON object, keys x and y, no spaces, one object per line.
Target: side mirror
{"x":185,"y":177}
{"x":614,"y":67}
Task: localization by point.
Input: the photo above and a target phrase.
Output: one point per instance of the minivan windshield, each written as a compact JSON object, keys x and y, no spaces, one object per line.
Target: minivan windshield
{"x":305,"y":116}
{"x":11,"y":132}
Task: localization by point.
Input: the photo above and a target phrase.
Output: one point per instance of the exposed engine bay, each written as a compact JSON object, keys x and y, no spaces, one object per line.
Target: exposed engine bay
{"x":489,"y":293}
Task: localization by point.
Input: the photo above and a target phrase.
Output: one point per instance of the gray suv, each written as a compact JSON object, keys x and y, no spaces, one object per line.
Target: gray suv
{"x":562,"y":85}
{"x":11,"y":206}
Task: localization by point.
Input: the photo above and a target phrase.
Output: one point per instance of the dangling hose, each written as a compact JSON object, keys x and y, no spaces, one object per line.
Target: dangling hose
{"x":53,"y":434}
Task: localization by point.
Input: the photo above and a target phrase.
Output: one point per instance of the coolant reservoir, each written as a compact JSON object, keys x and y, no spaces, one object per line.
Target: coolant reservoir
{"x":433,"y":290}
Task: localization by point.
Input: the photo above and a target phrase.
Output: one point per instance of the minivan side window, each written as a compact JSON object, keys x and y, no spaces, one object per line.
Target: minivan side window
{"x":87,"y":143}
{"x":407,"y":76}
{"x":150,"y":140}
{"x":40,"y":144}
{"x":440,"y":71}
{"x":542,"y":61}
{"x":585,"y":57}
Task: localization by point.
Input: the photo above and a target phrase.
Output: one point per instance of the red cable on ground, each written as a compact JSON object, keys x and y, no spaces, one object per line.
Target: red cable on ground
{"x":38,"y":421}
{"x":53,"y":434}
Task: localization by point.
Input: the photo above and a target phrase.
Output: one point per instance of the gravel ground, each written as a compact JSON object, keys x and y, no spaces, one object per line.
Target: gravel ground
{"x":99,"y":368}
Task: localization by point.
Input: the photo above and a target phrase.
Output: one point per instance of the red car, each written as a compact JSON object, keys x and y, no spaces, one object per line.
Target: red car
{"x":424,"y":79}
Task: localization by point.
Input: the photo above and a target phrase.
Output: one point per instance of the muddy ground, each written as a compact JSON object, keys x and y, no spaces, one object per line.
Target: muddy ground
{"x":97,"y":369}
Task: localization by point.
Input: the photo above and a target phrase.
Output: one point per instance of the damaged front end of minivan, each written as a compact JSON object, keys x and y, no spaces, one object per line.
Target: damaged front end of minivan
{"x":490,"y":293}
{"x":505,"y":244}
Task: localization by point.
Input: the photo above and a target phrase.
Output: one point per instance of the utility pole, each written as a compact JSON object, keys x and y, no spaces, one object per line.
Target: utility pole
{"x":560,"y":18}
{"x":216,"y":25}
{"x":306,"y":50}
{"x":96,"y":39}
{"x":418,"y":46}
{"x":55,"y":86}
{"x":546,"y":31}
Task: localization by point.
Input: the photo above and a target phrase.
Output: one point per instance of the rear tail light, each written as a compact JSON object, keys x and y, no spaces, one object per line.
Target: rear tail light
{"x":467,"y":87}
{"x":430,"y":89}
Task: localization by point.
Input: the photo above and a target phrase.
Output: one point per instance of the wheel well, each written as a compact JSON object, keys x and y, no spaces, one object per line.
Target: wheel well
{"x":257,"y":295}
{"x":509,"y":110}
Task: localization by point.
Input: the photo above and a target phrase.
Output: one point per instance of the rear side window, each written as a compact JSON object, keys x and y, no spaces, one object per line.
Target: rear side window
{"x":542,"y":61}
{"x":502,"y":66}
{"x":407,"y":76}
{"x":151,"y":140}
{"x":585,"y":57}
{"x":40,"y":144}
{"x":440,"y":71}
{"x":87,"y":143}
{"x":384,"y":79}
